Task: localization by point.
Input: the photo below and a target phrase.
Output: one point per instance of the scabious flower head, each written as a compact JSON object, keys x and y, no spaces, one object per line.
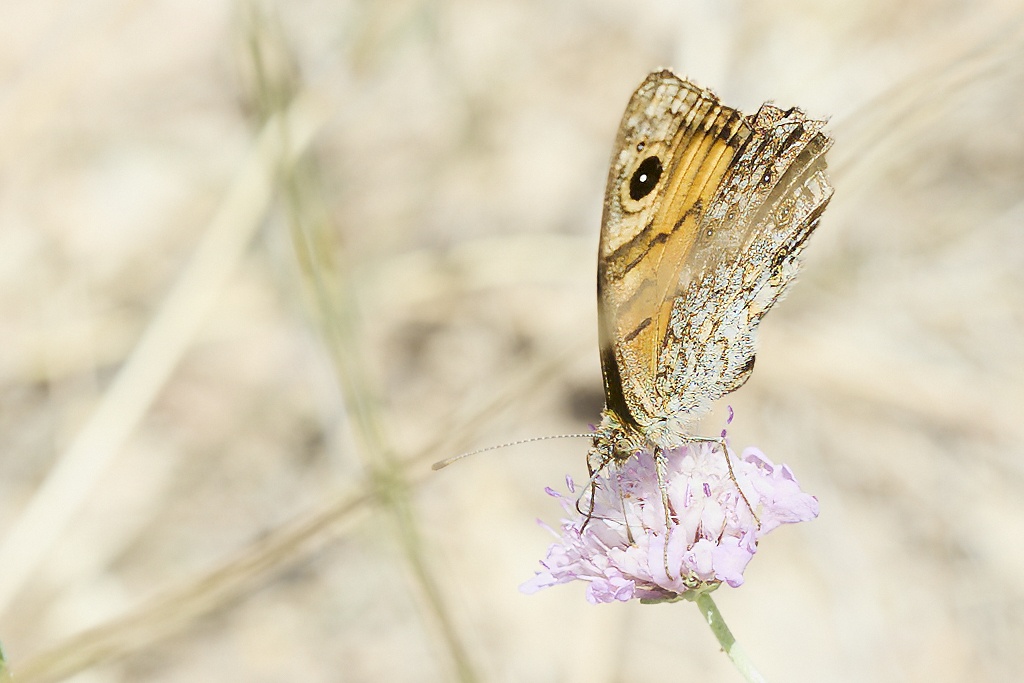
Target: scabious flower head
{"x":619,"y":548}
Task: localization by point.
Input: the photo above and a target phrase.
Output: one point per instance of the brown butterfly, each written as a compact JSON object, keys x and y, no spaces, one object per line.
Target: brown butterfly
{"x":705,"y":213}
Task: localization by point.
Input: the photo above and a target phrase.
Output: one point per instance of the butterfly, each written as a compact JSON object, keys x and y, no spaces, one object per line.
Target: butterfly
{"x":705,"y":214}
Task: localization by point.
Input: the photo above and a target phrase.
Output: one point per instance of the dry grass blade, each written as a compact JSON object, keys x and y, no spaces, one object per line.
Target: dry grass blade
{"x":253,"y":567}
{"x":177,"y":609}
{"x":77,"y":471}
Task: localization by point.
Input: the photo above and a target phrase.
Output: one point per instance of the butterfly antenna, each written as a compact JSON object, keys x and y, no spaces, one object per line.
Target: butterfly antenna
{"x":448,"y":461}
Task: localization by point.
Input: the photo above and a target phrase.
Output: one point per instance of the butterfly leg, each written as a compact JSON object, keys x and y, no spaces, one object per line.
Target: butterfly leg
{"x":622,"y":503}
{"x":661,"y":467}
{"x":592,"y":485}
{"x":720,"y":440}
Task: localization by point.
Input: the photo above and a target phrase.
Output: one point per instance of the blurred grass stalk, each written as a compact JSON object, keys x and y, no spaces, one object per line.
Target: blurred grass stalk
{"x":284,"y":136}
{"x":288,"y":117}
{"x":878,"y":125}
{"x":5,"y":673}
{"x":333,"y":305}
{"x":76,"y":472}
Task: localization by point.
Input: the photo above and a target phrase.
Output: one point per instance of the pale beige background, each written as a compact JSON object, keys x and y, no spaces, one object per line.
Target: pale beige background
{"x":196,"y":486}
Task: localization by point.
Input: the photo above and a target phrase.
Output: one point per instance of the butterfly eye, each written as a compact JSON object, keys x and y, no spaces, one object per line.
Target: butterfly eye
{"x":645,"y":177}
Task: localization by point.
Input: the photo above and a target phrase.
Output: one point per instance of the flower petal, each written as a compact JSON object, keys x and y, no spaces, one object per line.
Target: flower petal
{"x":712,"y":532}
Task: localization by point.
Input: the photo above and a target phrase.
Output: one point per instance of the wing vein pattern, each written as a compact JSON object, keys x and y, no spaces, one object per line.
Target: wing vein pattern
{"x":706,"y":212}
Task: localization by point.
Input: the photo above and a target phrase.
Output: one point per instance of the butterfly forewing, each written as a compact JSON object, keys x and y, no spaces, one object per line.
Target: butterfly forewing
{"x":705,"y":212}
{"x":646,"y":238}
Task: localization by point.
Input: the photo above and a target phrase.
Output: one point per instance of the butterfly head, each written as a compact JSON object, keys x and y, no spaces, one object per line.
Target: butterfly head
{"x":613,"y":442}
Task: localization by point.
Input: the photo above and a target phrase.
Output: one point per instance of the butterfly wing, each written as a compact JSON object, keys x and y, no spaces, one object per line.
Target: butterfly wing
{"x":751,"y":239}
{"x":705,"y":212}
{"x":674,"y":147}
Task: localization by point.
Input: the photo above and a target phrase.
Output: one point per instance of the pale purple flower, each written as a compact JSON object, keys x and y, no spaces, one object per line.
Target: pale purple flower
{"x":712,"y":536}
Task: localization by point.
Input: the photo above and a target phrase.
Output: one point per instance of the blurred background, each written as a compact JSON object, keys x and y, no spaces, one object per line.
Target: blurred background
{"x":262,"y":264}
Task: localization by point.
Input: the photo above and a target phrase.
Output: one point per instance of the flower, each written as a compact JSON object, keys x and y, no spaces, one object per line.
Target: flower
{"x":619,"y":546}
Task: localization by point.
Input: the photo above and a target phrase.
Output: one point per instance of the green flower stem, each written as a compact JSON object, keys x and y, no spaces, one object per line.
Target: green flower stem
{"x":736,"y":653}
{"x":5,"y":675}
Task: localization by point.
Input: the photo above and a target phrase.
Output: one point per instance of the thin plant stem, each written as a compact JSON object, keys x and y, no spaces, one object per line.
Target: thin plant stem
{"x":334,"y":309}
{"x":5,"y":673}
{"x":736,"y":653}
